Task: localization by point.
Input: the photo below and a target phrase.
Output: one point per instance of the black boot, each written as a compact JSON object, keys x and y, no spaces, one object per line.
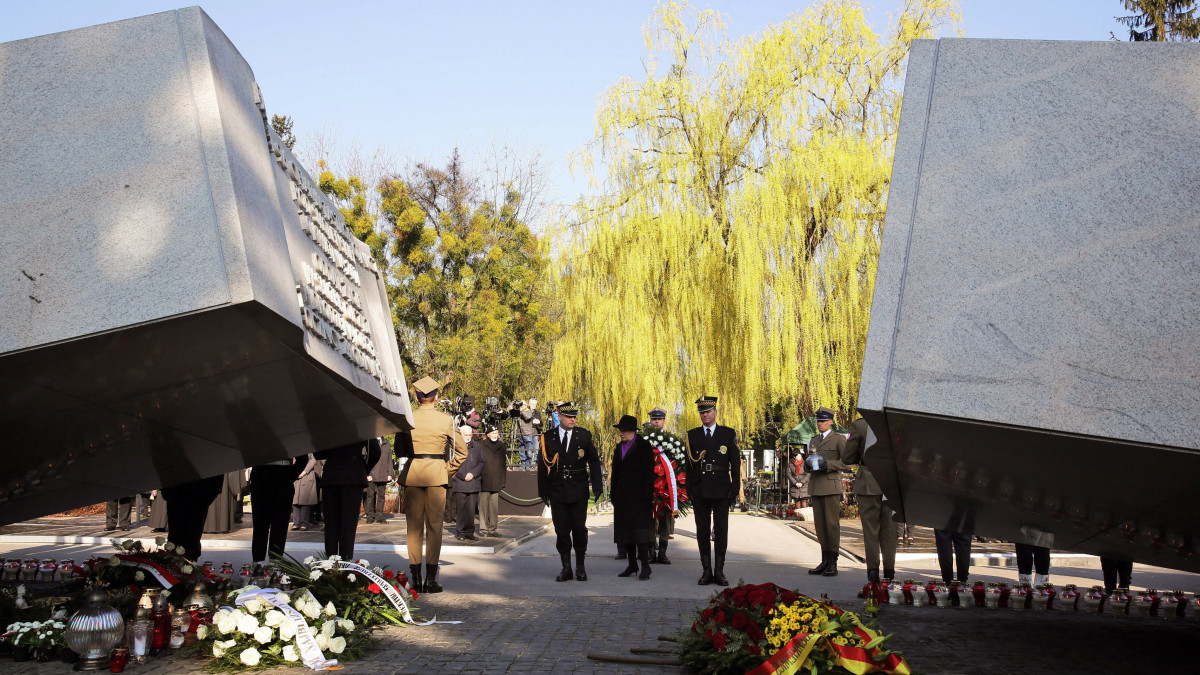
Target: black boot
{"x":662,"y":553}
{"x":831,"y":567}
{"x":431,"y":584}
{"x":566,"y":574}
{"x":414,"y":578}
{"x":719,"y":570}
{"x":580,"y":572}
{"x":820,"y":569}
{"x":889,"y":574}
{"x":632,"y":567}
{"x":643,"y":553}
{"x":706,"y":575}
{"x":873,"y":574}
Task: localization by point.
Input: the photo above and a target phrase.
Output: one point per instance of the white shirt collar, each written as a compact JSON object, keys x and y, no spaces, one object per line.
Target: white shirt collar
{"x":826,"y":433}
{"x":708,"y":429}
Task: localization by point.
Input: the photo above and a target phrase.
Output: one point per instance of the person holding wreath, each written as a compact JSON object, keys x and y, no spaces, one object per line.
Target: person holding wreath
{"x":633,"y":496}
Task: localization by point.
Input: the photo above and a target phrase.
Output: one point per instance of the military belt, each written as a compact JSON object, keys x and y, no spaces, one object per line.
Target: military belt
{"x":429,"y":456}
{"x":568,"y":473}
{"x":709,"y":467}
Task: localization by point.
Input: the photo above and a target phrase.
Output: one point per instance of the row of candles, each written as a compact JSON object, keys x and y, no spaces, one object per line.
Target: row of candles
{"x":48,"y":569}
{"x":998,"y":595}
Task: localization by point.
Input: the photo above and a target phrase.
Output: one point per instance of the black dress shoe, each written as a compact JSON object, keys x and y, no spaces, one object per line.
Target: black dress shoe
{"x":109,"y":528}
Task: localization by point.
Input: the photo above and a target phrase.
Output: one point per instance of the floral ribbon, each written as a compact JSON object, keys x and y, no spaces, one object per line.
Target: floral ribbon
{"x":857,"y":660}
{"x":156,"y":570}
{"x":389,"y":590}
{"x":310,"y":653}
{"x":789,"y":658}
{"x":674,"y":488}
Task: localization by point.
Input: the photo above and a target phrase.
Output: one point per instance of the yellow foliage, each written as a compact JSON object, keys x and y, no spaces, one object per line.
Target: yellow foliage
{"x":735,"y":252}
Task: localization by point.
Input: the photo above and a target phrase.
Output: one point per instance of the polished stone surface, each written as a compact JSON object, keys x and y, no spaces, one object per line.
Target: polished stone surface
{"x":180,"y":298}
{"x":1038,"y":291}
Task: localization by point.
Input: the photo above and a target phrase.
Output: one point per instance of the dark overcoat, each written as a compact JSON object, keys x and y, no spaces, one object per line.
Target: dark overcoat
{"x":564,"y":474}
{"x":495,"y":465}
{"x":346,"y":465}
{"x":307,"y":493}
{"x":473,"y":465}
{"x":632,"y":493}
{"x":714,"y":465}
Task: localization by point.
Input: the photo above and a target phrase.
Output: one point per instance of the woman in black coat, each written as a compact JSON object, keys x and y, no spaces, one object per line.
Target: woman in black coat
{"x":633,"y":496}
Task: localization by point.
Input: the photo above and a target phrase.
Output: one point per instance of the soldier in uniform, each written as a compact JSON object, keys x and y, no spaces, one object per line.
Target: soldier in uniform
{"x":824,"y":462}
{"x":879,"y":530}
{"x":664,"y":524}
{"x":434,"y":451}
{"x":714,"y":475}
{"x":567,"y":463}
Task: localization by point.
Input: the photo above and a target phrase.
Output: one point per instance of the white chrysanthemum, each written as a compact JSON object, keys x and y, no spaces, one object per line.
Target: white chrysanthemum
{"x":327,"y":628}
{"x":187,"y":569}
{"x":335,"y":558}
{"x":247,"y":624}
{"x":201,"y":631}
{"x":254,"y":605}
{"x":273,"y":618}
{"x":264,"y":635}
{"x":330,"y":610}
{"x":377,"y":570}
{"x":312,"y":609}
{"x":314,"y":575}
{"x":227,"y":624}
{"x":139,"y":576}
{"x":168,"y":546}
{"x":337,"y":645}
{"x":310,"y":560}
{"x":179,"y":549}
{"x":346,"y":625}
{"x":364,"y":562}
{"x":250,"y":657}
{"x":287,"y":629}
{"x":290,"y":653}
{"x":322,"y":642}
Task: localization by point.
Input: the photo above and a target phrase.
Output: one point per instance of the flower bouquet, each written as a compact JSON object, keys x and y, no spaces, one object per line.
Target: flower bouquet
{"x":362,"y":599}
{"x":664,"y":469}
{"x":42,"y":637}
{"x":135,"y":567}
{"x":762,"y":629}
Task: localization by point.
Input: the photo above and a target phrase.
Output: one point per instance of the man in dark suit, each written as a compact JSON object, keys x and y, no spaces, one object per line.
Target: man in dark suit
{"x":378,"y":478}
{"x":342,"y":483}
{"x":714,"y":475}
{"x":567,"y":463}
{"x":825,"y":489}
{"x":879,"y":530}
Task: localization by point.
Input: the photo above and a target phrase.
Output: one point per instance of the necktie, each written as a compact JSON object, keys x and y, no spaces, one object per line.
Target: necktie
{"x":708,"y":432}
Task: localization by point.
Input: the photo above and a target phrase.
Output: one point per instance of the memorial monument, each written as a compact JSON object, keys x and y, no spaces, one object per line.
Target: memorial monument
{"x":180,"y":298}
{"x":1031,"y":369}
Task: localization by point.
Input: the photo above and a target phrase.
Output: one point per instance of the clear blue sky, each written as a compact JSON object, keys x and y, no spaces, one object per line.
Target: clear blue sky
{"x":420,"y":78}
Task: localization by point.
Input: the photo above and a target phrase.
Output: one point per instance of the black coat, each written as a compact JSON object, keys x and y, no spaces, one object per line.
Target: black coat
{"x":473,"y":465}
{"x":565,"y":473}
{"x":346,"y":465}
{"x":495,"y":465}
{"x":712,"y":474}
{"x":633,"y":493}
{"x":384,"y":468}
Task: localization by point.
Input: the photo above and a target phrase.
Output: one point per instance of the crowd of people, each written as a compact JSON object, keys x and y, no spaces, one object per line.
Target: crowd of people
{"x":464,"y":455}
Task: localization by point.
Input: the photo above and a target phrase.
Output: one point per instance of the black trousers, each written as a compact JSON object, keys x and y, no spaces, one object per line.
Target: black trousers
{"x":339,"y":504}
{"x":953,"y":547}
{"x":1030,"y":556}
{"x":1117,"y":573}
{"x":712,"y":516}
{"x":271,"y":492}
{"x":570,"y":526}
{"x":116,"y":512}
{"x":466,"y":502}
{"x":301,"y":515}
{"x":187,"y":507}
{"x":373,"y":499}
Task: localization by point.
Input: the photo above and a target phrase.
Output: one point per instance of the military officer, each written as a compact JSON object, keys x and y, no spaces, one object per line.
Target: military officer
{"x":567,"y":463}
{"x":714,"y":475}
{"x":664,"y":524}
{"x":825,"y":489}
{"x":879,"y":530}
{"x":434,"y":451}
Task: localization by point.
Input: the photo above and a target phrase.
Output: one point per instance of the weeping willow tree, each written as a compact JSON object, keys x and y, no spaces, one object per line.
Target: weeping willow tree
{"x":734,"y":247}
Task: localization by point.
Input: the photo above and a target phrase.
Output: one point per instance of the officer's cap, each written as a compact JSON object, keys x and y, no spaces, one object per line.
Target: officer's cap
{"x":658,"y":414}
{"x":824,"y":414}
{"x":568,"y":409}
{"x":706,"y":403}
{"x":426,"y":386}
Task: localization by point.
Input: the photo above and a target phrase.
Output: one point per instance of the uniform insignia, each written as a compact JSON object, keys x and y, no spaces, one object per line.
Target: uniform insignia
{"x":722,"y":449}
{"x":581,"y":453}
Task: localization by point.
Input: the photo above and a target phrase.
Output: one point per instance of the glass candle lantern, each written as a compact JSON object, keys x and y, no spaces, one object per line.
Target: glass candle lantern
{"x":907,"y":589}
{"x":181,"y":621}
{"x":93,"y":631}
{"x":246,"y":576}
{"x":941,"y":594}
{"x":199,"y":598}
{"x":160,"y":624}
{"x":992,"y":596}
{"x":145,"y":603}
{"x":66,"y":570}
{"x":118,"y":660}
{"x":47,"y":570}
{"x":137,"y":635}
{"x":1016,"y":599}
{"x":12,"y":569}
{"x":1005,"y":592}
{"x":896,"y":595}
{"x":1040,"y":598}
{"x":29,"y":570}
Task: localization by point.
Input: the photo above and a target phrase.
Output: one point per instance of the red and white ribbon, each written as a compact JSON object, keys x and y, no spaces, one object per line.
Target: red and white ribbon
{"x":671,"y":484}
{"x":157,"y":571}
